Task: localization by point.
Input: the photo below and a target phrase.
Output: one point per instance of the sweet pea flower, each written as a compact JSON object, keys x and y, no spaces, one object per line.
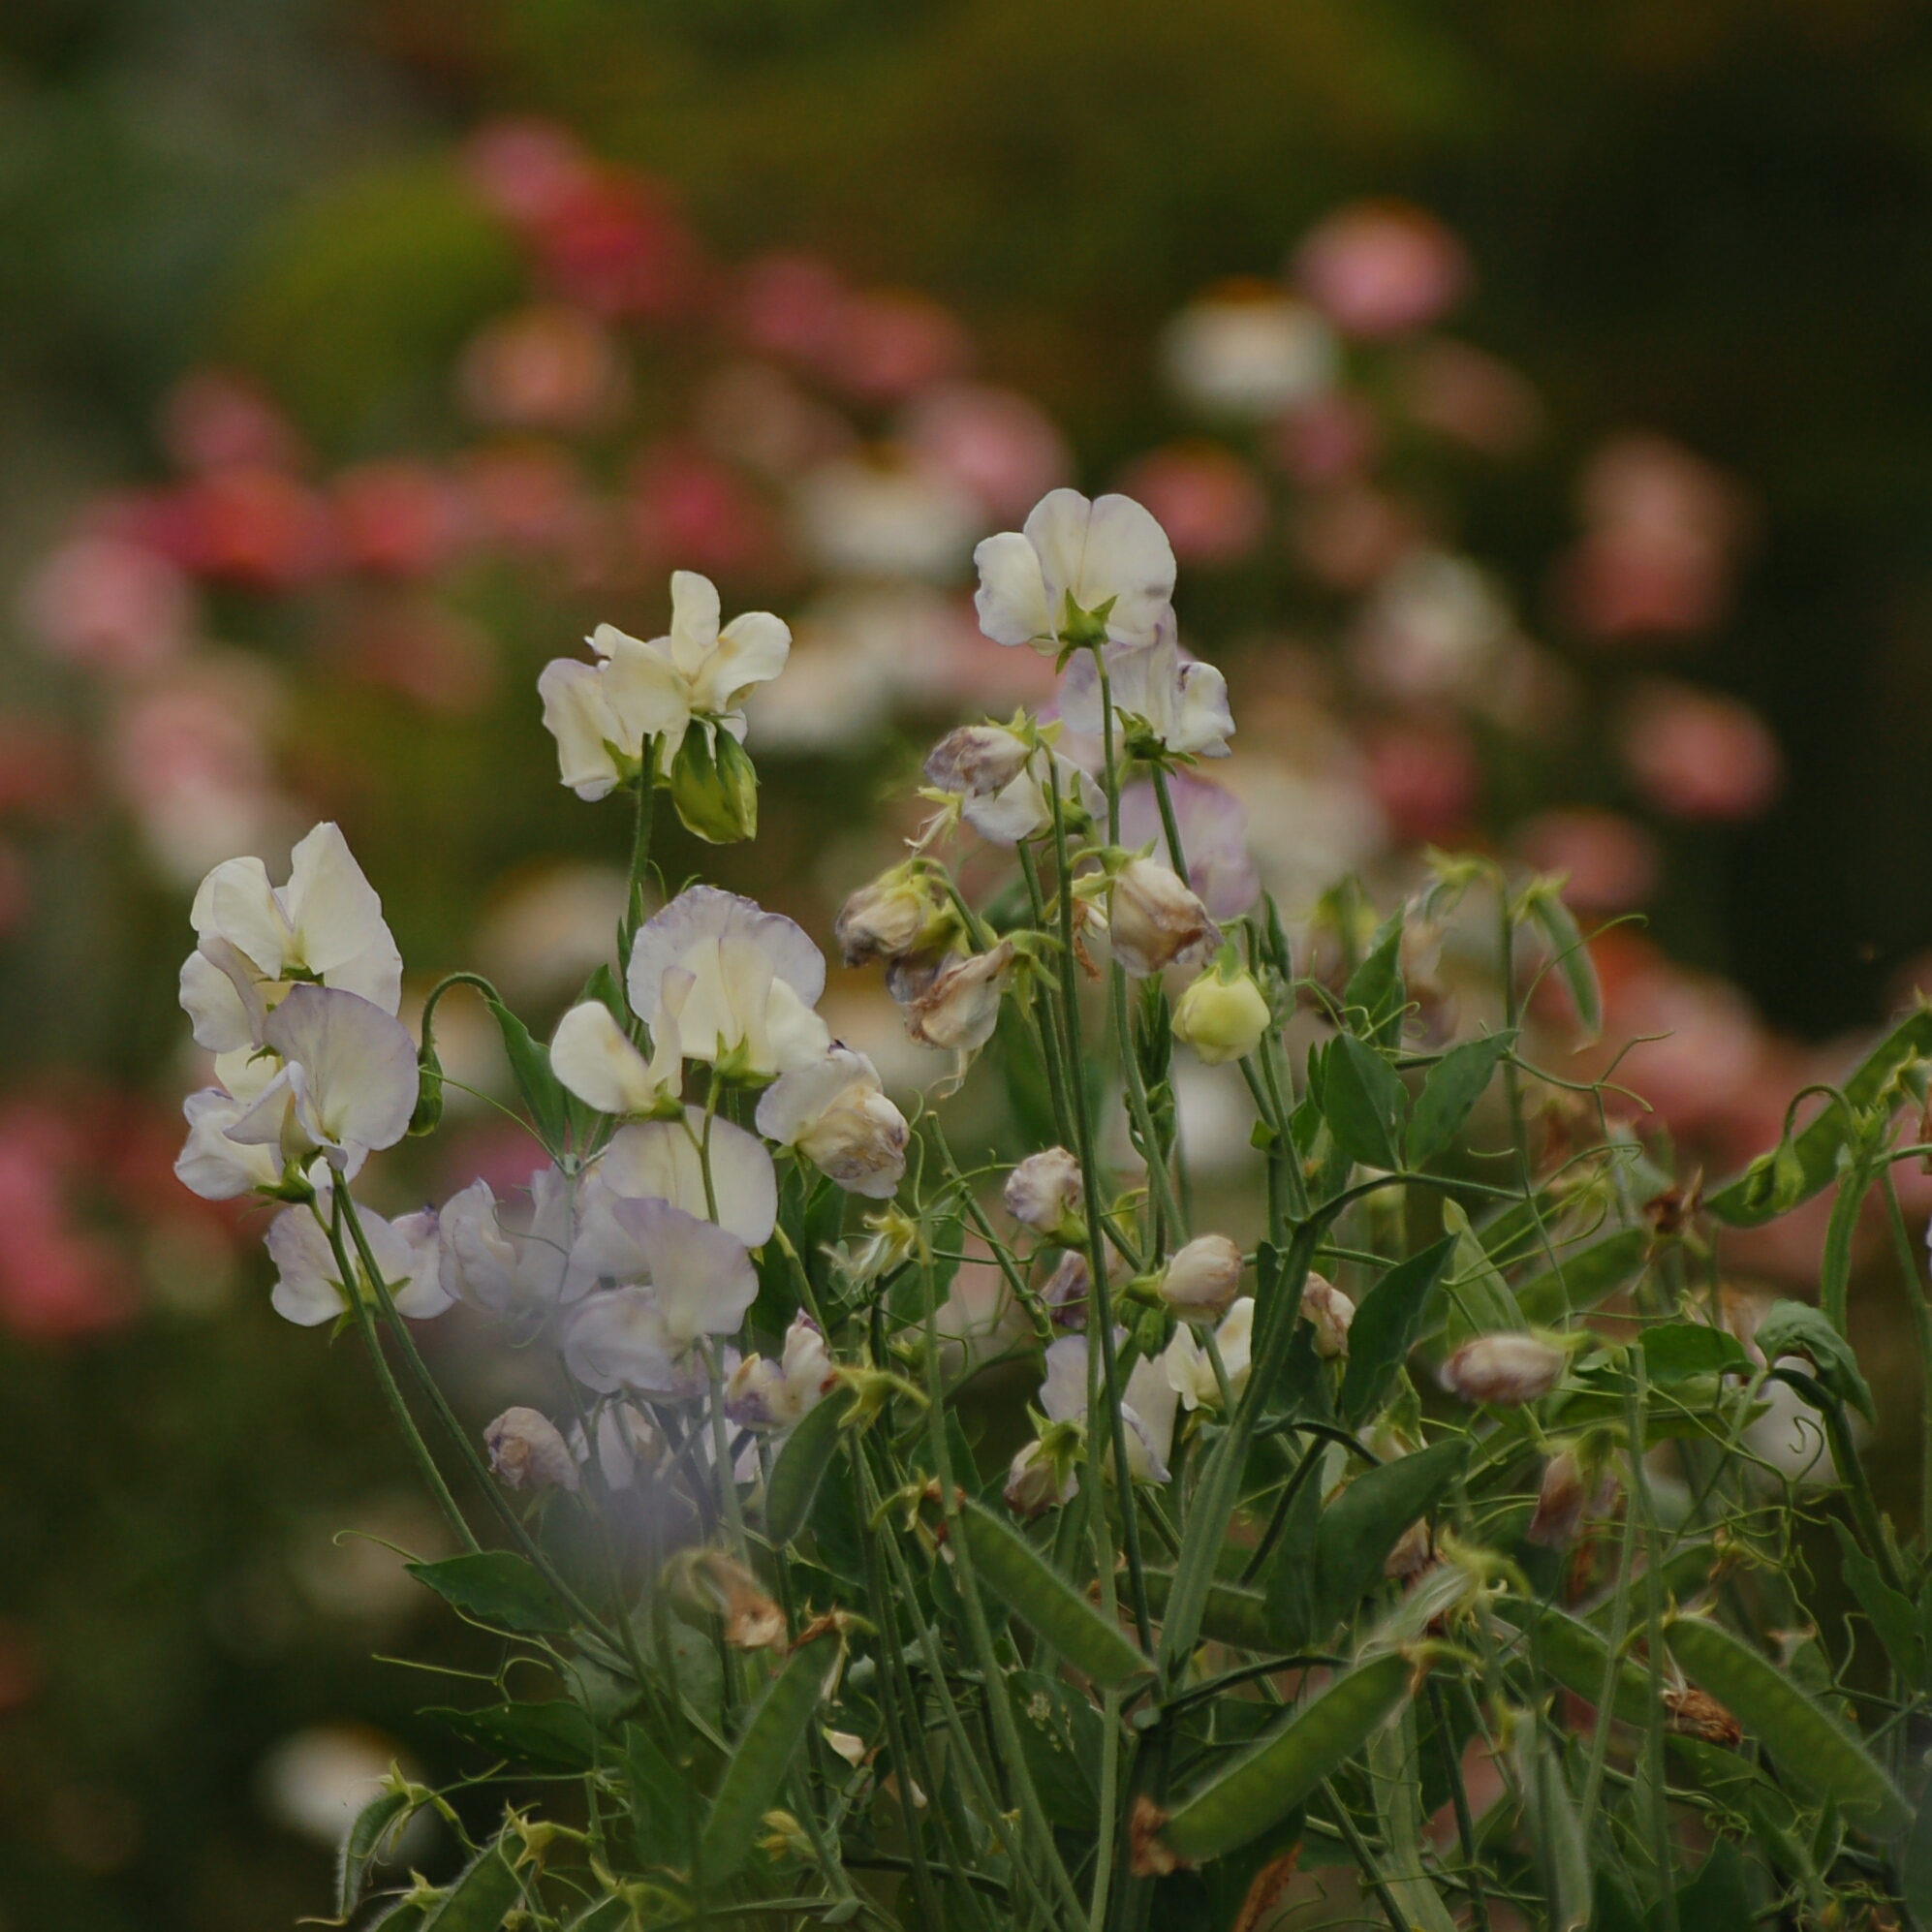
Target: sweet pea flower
{"x":309,"y":1288}
{"x":701,"y":1282}
{"x":1176,"y":700}
{"x":210,"y":1163}
{"x":1202,"y":1279}
{"x":346,"y":1087}
{"x":1504,"y":1370}
{"x":1213,"y":825}
{"x":763,"y":1394}
{"x":1155,"y":921}
{"x":527,"y":1451}
{"x":1330,"y":1312}
{"x":836,"y":1115}
{"x":1189,"y":1371}
{"x":1045,"y":1191}
{"x":592,"y":1056}
{"x":663,"y":1161}
{"x":1001,"y":777}
{"x":1078,"y":572}
{"x":1148,"y":1406}
{"x":1038,"y":1480}
{"x":255,"y":939}
{"x":740,"y":981}
{"x":959,"y":1009}
{"x":522,"y":1267}
{"x":1223,"y":1015}
{"x":641,"y":690}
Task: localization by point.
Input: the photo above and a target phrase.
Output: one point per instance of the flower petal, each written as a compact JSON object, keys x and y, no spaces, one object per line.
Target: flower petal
{"x":335,"y":911}
{"x":361,"y":1065}
{"x":235,"y":902}
{"x":215,"y":1003}
{"x":649,"y":697}
{"x":659,"y":1160}
{"x":1127,"y":557}
{"x":702,"y":1277}
{"x":1011,"y":598}
{"x":308,"y":1286}
{"x":577,"y":714}
{"x":210,"y":1163}
{"x":694,"y":620}
{"x":591,"y":1056}
{"x":751,"y":650}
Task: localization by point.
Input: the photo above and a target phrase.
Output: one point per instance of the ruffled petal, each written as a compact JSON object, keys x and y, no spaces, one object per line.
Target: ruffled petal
{"x":795,"y":1035}
{"x":235,"y":902}
{"x":694,"y":620}
{"x":1127,"y":557}
{"x":308,"y":1289}
{"x":702,"y":1277}
{"x":649,"y":697}
{"x":591,"y":1056}
{"x":375,"y":974}
{"x":335,"y":911}
{"x":751,"y":650}
{"x":1011,"y":598}
{"x":1203,"y":721}
{"x":577,"y":714}
{"x":215,"y":1003}
{"x":210,"y":1163}
{"x":361,"y":1065}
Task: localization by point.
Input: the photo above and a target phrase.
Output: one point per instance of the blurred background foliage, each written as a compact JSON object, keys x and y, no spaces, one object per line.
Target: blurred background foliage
{"x":1706,"y":220}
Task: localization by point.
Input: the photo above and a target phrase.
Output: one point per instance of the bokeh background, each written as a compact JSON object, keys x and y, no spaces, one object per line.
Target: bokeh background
{"x":1538,"y":399}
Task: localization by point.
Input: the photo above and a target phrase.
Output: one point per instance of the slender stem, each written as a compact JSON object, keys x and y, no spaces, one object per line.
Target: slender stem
{"x":1921,"y":1326}
{"x":1107,"y":749}
{"x":1465,"y":1827}
{"x":1170,"y":823}
{"x":641,"y":855}
{"x":1044,"y":1019}
{"x":1109,"y":1802}
{"x":1599,"y":1745}
{"x":1165,"y":1203}
{"x":1365,"y":1857}
{"x":1653,"y":1594}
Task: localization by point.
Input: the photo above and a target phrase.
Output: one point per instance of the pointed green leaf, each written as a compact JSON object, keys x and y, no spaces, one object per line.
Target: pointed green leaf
{"x":1376,"y":994}
{"x":1364,"y":1524}
{"x":801,"y":1463}
{"x":496,"y":1587}
{"x":1676,"y":1352}
{"x":1384,"y":1328}
{"x":1455,"y":1084}
{"x":480,"y":1900}
{"x":555,"y":1736}
{"x":1555,"y":922}
{"x":1365,"y":1101}
{"x":374,"y":1828}
{"x":530,"y":1064}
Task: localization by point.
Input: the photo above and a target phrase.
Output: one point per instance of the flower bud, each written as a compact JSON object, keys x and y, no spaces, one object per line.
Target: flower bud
{"x":1045,"y":1192}
{"x":1204,"y":1278}
{"x":978,"y":757}
{"x":1504,"y":1370}
{"x":526,"y":1451}
{"x":714,"y":785}
{"x":960,"y":1009}
{"x":1154,"y":921}
{"x":1569,"y":1493}
{"x":1328,"y":1311}
{"x":1036,"y":1482}
{"x":1223,"y":1015}
{"x":428,"y":1116}
{"x":897,"y":915}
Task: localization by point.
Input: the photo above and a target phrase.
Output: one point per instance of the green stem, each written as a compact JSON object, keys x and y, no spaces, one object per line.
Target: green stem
{"x":640,"y":856}
{"x":1653,"y":1599}
{"x":1171,"y":825}
{"x":1922,"y":1325}
{"x":1465,"y":1825}
{"x":1165,"y":1203}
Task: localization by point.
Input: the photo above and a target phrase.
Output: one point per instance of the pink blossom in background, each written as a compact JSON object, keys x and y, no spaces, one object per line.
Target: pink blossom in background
{"x":547,"y":367}
{"x":1700,"y":754}
{"x":790,"y":305}
{"x":221,"y":420}
{"x":1208,"y":500}
{"x":693,"y":511}
{"x":526,"y":170}
{"x":528,"y":494}
{"x":420,"y":650}
{"x":1474,"y":397}
{"x":1427,"y":778}
{"x":891,"y":343}
{"x":57,"y":1279}
{"x":1348,"y":537}
{"x":41,"y":766}
{"x":1000,"y":443}
{"x":1381,"y":269}
{"x":1661,"y":531}
{"x":1327,"y":440}
{"x":613,"y":245}
{"x":255,"y":527}
{"x":755,"y":414}
{"x":110,"y":605}
{"x":397,"y":518}
{"x":1611,"y":862}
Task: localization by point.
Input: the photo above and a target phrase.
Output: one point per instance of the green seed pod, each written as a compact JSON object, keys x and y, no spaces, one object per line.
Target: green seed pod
{"x":801,"y":1465}
{"x":481,"y":1899}
{"x":429,"y":1113}
{"x":1286,"y":1765}
{"x":770,"y":1740}
{"x":1234,"y":1615}
{"x":1812,"y":1746}
{"x":1576,"y":1657}
{"x":1043,"y":1600}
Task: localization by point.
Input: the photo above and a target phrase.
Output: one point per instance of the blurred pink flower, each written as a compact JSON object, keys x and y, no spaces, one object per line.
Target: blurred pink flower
{"x":790,"y":305}
{"x":1348,"y":536}
{"x":614,"y":243}
{"x":422,"y":651}
{"x":691,"y":510}
{"x":754,"y":413}
{"x":1700,"y":754}
{"x":40,"y":765}
{"x":258,"y":527}
{"x":890,"y":343}
{"x":110,"y":605}
{"x":396,"y":519}
{"x":548,"y":367}
{"x":528,"y":494}
{"x":1426,"y":777}
{"x":1213,"y":826}
{"x":1663,"y":528}
{"x":1381,"y":269}
{"x":1333,"y":437}
{"x":1000,"y":443}
{"x":221,"y":420}
{"x":526,"y":170}
{"x":57,"y":1279}
{"x":1611,"y":860}
{"x":1211,"y":504}
{"x":1474,"y":397}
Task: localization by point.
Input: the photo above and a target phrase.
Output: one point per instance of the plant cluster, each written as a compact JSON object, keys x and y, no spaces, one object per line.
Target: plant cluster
{"x":1424,"y":1540}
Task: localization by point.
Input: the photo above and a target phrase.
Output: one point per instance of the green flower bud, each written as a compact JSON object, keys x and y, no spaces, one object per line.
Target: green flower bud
{"x":714,"y":785}
{"x":1224,"y":1014}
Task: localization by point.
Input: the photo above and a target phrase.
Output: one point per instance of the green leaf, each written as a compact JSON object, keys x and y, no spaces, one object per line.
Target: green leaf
{"x":662,"y":1820}
{"x":543,"y":1093}
{"x":1364,"y":1524}
{"x":480,"y":1900}
{"x":1812,"y":1746}
{"x":1718,"y":1899}
{"x":1385,"y":1328}
{"x":1060,"y":1734}
{"x":1797,"y":1329}
{"x":758,"y":1763}
{"x":375,"y":1825}
{"x":1678,"y":1351}
{"x":555,"y":1737}
{"x":1554,"y":919}
{"x":1290,"y":1576}
{"x":1892,"y":1612}
{"x":809,"y":1451}
{"x":1365,"y":1101}
{"x":1551,"y":1813}
{"x":1747,"y":1201}
{"x":1917,"y":1872}
{"x":497,"y":1587}
{"x":1584,"y":1277}
{"x":1455,"y":1084}
{"x":1375,"y":998}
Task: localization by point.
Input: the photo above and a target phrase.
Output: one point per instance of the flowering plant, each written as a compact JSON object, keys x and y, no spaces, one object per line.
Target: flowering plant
{"x":1433,"y":1535}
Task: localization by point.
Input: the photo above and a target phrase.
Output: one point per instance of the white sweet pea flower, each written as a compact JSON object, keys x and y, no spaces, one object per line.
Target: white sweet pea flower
{"x":766,"y":1395}
{"x":603,"y":712}
{"x":1176,"y":700}
{"x":701,"y":1282}
{"x":347,"y":1084}
{"x":661,"y":1160}
{"x":739,"y":983}
{"x":1191,"y":1374}
{"x":518,"y":1264}
{"x":254,"y":940}
{"x":1148,"y":1406}
{"x":1001,"y":779}
{"x":210,"y":1163}
{"x":1107,"y":562}
{"x":309,"y":1290}
{"x":596,"y":1061}
{"x":836,"y":1115}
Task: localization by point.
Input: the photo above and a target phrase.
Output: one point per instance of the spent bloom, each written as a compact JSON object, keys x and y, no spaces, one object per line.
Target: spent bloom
{"x":959,"y":1009}
{"x":1571,"y":1490}
{"x":309,"y":1288}
{"x":1329,"y":1312}
{"x":1189,"y":1369}
{"x":1000,"y":778}
{"x":1202,"y":1278}
{"x":526,"y":1451}
{"x":763,"y":1394}
{"x":1504,"y":1370}
{"x":740,"y":984}
{"x":1179,"y":702}
{"x":1045,"y":1191}
{"x":519,"y":1265}
{"x":605,"y":712}
{"x":1043,"y":1474}
{"x":1077,"y":571}
{"x":896,"y":915}
{"x":1223,"y":1015}
{"x":836,"y":1115}
{"x":1154,"y":921}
